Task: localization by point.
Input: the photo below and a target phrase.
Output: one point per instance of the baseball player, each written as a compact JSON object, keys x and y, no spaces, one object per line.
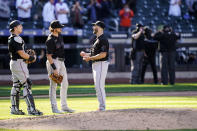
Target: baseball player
{"x":99,"y":57}
{"x":20,"y":73}
{"x":55,"y":64}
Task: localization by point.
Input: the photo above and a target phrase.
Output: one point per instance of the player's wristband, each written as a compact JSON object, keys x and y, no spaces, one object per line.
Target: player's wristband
{"x":53,"y":66}
{"x":31,"y":58}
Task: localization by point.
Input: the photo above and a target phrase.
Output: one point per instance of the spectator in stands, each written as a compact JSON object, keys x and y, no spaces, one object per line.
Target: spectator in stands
{"x":189,"y":4}
{"x":195,"y":8}
{"x":62,"y":12}
{"x":76,"y":15}
{"x":192,"y":7}
{"x":192,"y":59}
{"x":99,"y":1}
{"x":175,"y":9}
{"x":137,"y":53}
{"x":48,"y":13}
{"x":24,"y":9}
{"x":150,"y":47}
{"x":38,"y":10}
{"x":167,"y":44}
{"x":4,"y":10}
{"x":126,"y":15}
{"x":94,"y":11}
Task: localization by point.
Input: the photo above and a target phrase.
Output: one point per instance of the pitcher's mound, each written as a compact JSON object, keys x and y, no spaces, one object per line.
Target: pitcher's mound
{"x":133,"y":119}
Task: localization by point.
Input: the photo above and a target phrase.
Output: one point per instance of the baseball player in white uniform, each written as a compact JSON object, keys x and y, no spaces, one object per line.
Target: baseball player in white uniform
{"x":20,"y":73}
{"x":99,"y":57}
{"x":55,"y":64}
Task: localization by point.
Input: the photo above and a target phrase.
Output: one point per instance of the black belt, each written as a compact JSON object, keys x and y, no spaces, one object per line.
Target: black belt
{"x":13,"y":59}
{"x":17,"y":59}
{"x":61,"y":59}
{"x":98,"y":61}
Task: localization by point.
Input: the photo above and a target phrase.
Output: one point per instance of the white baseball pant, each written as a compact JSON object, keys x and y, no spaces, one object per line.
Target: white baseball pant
{"x":99,"y":73}
{"x":64,"y":85}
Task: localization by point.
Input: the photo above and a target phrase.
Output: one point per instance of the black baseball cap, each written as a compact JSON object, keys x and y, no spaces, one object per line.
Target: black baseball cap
{"x":138,"y":25}
{"x":56,"y":24}
{"x":13,"y":24}
{"x":99,"y":23}
{"x":146,"y":28}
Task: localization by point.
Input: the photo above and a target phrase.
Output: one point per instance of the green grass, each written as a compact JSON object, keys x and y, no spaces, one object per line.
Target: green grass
{"x":118,"y":88}
{"x":90,"y":103}
{"x":86,"y":104}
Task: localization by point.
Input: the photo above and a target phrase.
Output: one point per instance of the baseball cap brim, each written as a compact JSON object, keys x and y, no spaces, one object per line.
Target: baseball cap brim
{"x":58,"y":26}
{"x":139,"y":25}
{"x":98,"y":24}
{"x":61,"y":26}
{"x":93,"y":24}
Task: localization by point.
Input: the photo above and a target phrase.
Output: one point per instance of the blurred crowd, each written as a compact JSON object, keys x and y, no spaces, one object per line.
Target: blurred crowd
{"x":76,"y":13}
{"x":175,"y":8}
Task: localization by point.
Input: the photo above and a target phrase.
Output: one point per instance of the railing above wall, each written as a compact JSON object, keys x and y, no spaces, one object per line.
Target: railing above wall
{"x":41,"y":32}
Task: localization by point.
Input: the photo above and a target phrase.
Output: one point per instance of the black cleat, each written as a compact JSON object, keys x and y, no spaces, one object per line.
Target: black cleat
{"x":35,"y":112}
{"x":17,"y":112}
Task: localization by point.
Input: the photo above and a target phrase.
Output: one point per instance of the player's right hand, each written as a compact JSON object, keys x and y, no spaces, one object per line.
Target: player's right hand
{"x":55,"y":72}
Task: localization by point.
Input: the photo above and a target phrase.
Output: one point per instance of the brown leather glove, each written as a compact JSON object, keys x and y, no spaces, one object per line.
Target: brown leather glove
{"x":31,"y":53}
{"x":56,"y":78}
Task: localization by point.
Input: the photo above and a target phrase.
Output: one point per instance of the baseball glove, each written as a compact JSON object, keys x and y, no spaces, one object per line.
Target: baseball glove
{"x":56,"y":78}
{"x":31,"y":53}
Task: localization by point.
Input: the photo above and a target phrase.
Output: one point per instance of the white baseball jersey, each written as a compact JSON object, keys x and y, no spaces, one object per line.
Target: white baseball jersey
{"x":24,"y":4}
{"x":48,"y":12}
{"x":63,"y":18}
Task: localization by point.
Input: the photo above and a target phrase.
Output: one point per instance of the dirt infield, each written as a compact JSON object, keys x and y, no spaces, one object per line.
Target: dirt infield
{"x":133,"y":119}
{"x":126,"y":119}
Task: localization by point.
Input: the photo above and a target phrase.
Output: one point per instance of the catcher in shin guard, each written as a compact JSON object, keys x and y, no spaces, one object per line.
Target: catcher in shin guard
{"x":56,"y":68}
{"x":20,"y":73}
